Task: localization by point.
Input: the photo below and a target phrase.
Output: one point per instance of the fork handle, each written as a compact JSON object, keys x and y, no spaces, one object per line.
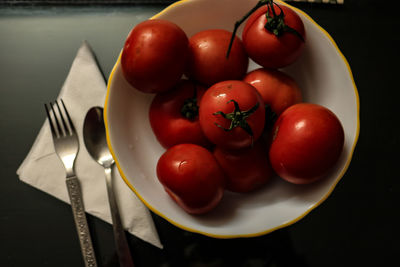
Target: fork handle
{"x":75,"y":195}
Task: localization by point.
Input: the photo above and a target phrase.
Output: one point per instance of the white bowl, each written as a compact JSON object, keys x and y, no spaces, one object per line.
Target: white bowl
{"x":325,"y":78}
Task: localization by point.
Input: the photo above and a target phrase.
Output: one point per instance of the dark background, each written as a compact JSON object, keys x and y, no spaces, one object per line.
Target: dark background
{"x":356,"y":226}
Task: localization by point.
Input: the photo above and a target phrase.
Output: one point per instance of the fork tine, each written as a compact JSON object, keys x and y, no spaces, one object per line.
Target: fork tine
{"x":66,"y":128}
{"x":69,"y":118}
{"x":59,"y":128}
{"x":53,"y":130}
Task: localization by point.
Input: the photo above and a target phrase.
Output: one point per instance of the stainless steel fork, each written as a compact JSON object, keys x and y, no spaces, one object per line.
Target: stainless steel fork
{"x":66,"y":145}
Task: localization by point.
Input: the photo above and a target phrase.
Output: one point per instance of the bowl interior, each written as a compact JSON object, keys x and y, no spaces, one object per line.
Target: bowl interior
{"x":324,"y":77}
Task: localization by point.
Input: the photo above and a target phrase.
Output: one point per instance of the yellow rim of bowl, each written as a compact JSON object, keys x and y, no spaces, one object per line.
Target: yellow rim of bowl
{"x":268,"y":230}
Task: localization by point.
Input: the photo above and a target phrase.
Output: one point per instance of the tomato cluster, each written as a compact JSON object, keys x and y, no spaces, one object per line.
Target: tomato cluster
{"x":225,"y":128}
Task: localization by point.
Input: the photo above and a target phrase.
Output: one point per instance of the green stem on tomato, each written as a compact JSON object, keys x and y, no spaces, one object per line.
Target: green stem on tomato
{"x":275,"y":24}
{"x":271,"y":6}
{"x":238,"y":118}
{"x":190,"y":109}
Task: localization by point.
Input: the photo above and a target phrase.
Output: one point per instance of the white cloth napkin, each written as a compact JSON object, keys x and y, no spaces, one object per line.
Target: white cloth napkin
{"x":84,"y":88}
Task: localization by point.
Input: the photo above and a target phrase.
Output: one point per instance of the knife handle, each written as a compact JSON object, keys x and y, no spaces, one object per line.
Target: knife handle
{"x":75,"y":195}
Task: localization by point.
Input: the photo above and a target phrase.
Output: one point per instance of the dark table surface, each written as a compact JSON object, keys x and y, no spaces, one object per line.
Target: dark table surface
{"x":356,"y":226}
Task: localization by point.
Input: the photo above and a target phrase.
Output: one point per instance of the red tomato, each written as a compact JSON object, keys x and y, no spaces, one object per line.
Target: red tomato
{"x":192,"y":177}
{"x":246,"y":169}
{"x":232,"y":114}
{"x":277,"y":89}
{"x":174,"y":115}
{"x":154,"y":55}
{"x":268,"y":49}
{"x":207,"y":61}
{"x":307,"y":141}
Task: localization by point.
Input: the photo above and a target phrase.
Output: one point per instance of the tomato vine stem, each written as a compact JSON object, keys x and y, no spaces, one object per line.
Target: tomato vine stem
{"x":239,"y":22}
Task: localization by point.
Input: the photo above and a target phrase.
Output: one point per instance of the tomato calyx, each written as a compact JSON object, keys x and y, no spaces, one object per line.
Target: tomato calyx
{"x":190,"y":108}
{"x":275,"y":24}
{"x":238,"y":117}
